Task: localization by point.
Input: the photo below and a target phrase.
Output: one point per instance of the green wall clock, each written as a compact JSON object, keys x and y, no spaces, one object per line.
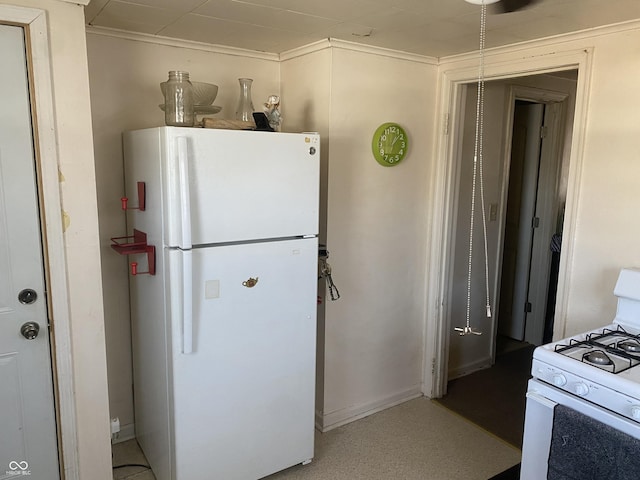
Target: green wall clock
{"x":389,"y":144}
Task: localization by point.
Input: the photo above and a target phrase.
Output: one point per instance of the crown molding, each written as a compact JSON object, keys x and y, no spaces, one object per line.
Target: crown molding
{"x":293,"y":53}
{"x":84,"y":3}
{"x":546,"y":41}
{"x":306,"y":49}
{"x":328,"y":43}
{"x":174,"y":42}
{"x":385,"y":52}
{"x":356,"y":47}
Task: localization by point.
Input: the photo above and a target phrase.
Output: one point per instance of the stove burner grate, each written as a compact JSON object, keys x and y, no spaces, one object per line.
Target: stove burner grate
{"x":611,"y":350}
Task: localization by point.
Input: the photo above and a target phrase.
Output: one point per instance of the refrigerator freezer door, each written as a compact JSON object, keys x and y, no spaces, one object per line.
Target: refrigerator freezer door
{"x":229,"y":186}
{"x":243,"y":398}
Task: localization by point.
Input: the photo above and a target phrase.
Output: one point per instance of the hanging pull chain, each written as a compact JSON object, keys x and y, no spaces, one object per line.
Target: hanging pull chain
{"x":483,"y":34}
{"x":478,"y":173}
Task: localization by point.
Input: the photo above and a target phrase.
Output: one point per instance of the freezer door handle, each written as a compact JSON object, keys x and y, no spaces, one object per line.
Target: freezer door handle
{"x":187,"y":302}
{"x":185,"y":197}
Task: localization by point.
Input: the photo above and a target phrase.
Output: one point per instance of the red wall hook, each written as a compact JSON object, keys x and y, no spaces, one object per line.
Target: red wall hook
{"x":151,"y":271}
{"x":136,"y":244}
{"x":142,"y":191}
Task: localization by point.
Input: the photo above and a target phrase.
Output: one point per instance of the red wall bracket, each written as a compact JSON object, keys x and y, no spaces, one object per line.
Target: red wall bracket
{"x":136,"y":244}
{"x":142,"y":193}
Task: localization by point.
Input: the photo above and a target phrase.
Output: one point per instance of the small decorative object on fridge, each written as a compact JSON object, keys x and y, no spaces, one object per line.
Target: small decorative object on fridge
{"x":272,"y":111}
{"x":244,"y":111}
{"x":178,"y":100}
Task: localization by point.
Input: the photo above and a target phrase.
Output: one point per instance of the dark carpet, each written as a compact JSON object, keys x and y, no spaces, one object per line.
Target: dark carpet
{"x":494,"y":398}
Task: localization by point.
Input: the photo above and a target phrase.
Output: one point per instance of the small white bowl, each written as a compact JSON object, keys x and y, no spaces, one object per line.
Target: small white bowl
{"x":203,"y":93}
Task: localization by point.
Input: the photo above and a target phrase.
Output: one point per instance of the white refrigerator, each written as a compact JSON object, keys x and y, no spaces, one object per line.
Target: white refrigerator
{"x":224,"y":333}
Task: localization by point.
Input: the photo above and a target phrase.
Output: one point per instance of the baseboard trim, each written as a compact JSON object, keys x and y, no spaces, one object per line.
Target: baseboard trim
{"x":469,"y":368}
{"x":336,"y":419}
{"x":127,"y":432}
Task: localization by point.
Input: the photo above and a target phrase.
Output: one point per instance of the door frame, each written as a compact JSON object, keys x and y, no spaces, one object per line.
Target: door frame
{"x":501,"y":64}
{"x":34,"y":23}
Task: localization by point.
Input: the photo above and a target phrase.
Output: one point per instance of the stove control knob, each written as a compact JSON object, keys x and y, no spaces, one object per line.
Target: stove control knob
{"x":559,"y":380}
{"x":635,"y":412}
{"x":581,"y":389}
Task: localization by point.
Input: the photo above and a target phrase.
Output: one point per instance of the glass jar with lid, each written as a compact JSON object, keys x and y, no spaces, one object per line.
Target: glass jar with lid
{"x":178,"y":100}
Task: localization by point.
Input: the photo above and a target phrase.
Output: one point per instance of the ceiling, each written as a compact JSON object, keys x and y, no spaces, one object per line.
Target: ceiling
{"x":427,"y":27}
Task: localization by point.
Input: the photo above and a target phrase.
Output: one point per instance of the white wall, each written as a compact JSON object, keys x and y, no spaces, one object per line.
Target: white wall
{"x":125,"y":76}
{"x":377,"y":233}
{"x":306,"y":93}
{"x":376,"y":224}
{"x":607,"y":216}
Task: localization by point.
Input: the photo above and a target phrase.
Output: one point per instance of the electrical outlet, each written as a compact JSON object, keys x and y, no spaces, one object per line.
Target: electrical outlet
{"x":115,"y":428}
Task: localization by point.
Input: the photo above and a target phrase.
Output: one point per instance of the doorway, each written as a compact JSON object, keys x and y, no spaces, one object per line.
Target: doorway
{"x":454,"y":79}
{"x":62,"y":137}
{"x":526,"y":153}
{"x":29,"y":443}
{"x":527,"y":123}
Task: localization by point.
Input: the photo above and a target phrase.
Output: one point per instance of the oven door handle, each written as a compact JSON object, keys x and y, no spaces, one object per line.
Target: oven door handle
{"x":536,"y":397}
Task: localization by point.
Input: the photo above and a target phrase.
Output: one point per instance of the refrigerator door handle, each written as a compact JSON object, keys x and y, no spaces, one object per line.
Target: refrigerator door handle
{"x":187,"y":302}
{"x":185,"y":197}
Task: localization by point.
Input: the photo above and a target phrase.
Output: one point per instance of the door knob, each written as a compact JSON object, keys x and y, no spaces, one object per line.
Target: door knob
{"x":30,"y":330}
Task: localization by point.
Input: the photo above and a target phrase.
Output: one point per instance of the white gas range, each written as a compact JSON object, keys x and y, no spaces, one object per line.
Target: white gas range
{"x":595,"y":379}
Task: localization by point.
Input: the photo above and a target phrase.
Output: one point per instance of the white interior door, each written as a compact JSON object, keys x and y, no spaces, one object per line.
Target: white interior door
{"x":523,"y":186}
{"x":28,"y":440}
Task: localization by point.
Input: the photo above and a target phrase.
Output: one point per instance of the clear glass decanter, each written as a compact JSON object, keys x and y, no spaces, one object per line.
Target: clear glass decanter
{"x":244,"y":111}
